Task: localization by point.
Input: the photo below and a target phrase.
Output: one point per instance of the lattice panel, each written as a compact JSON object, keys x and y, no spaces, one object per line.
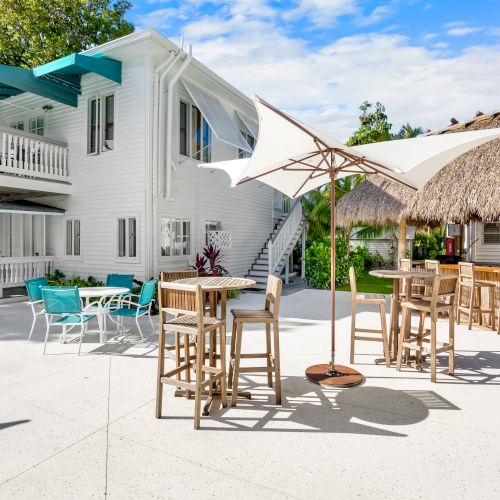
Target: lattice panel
{"x":220,"y":239}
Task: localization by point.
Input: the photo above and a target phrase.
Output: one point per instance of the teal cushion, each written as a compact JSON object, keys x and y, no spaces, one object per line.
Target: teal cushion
{"x":74,"y":319}
{"x":124,"y":311}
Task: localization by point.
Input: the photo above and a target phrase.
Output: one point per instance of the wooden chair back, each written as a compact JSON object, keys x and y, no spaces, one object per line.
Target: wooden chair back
{"x":443,"y":285}
{"x":466,"y":274}
{"x":169,"y":294}
{"x":432,"y":266}
{"x":273,"y":295}
{"x":405,"y":264}
{"x":181,"y":300}
{"x":352,"y":279}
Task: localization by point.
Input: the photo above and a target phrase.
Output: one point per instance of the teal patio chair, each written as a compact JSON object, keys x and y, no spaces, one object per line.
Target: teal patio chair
{"x":120,"y":281}
{"x":63,"y":306}
{"x":35,"y":298}
{"x":135,"y":307}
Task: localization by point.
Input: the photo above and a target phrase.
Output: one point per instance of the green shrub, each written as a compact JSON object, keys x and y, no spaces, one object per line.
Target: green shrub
{"x":375,"y":260}
{"x":318,"y":262}
{"x":57,"y":278}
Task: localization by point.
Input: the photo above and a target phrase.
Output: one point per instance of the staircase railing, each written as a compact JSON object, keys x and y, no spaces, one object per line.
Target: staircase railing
{"x":277,"y":247}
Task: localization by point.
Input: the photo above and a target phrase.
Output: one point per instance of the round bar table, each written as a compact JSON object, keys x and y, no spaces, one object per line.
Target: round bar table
{"x":101,"y":292}
{"x":397,"y":275}
{"x":214,"y":284}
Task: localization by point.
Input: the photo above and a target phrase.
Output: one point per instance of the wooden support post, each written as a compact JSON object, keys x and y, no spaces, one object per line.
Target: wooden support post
{"x":401,"y":240}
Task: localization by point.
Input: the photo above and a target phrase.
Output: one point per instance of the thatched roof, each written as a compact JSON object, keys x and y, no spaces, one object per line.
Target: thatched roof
{"x":377,"y":200}
{"x":466,"y":189}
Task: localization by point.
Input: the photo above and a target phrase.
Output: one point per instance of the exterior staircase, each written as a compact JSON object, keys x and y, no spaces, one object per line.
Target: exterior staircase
{"x":275,"y":253}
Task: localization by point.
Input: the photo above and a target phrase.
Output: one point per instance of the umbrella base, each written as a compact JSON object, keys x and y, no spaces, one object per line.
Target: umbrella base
{"x":340,"y":376}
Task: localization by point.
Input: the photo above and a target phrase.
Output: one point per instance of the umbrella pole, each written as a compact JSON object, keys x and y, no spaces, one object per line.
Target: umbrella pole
{"x":330,"y":374}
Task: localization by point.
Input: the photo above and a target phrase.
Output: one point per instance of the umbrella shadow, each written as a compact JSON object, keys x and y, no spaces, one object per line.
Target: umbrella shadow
{"x":5,"y":425}
{"x":311,"y":409}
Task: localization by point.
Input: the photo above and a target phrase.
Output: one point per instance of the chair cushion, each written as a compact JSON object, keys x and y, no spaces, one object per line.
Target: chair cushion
{"x":124,"y":311}
{"x":251,"y":314}
{"x":74,"y":319}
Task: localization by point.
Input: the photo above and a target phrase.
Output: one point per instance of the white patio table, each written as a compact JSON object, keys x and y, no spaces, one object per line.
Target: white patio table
{"x":102,"y":293}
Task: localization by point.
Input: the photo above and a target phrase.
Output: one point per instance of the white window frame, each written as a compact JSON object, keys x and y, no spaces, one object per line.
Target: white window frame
{"x":72,"y":256}
{"x":100,"y":133}
{"x":127,"y":257}
{"x":250,"y":141}
{"x":495,"y":231}
{"x":35,"y":129}
{"x":205,"y":152}
{"x":182,"y":220}
{"x":218,"y":227}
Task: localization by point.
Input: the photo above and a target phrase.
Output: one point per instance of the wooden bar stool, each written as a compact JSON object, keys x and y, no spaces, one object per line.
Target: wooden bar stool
{"x":427,"y":339}
{"x":261,"y":316}
{"x":194,"y":324}
{"x":370,"y":298}
{"x":418,"y":284}
{"x":469,"y":296}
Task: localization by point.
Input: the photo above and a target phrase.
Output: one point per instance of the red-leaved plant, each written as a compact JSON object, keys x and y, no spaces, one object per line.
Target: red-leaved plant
{"x":212,"y":257}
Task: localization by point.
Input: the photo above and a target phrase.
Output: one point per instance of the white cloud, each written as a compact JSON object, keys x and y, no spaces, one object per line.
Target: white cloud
{"x":460,"y":28}
{"x":323,"y":86}
{"x":378,"y":14}
{"x":323,"y":12}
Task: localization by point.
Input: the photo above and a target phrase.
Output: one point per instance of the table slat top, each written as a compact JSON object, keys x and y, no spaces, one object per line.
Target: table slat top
{"x":396,"y":273}
{"x":217,"y":282}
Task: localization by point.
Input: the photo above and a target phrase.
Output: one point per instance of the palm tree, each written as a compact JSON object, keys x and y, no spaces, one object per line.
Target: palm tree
{"x":407,"y":132}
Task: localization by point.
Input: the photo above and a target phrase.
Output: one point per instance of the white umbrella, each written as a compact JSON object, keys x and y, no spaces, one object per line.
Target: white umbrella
{"x":295,"y":158}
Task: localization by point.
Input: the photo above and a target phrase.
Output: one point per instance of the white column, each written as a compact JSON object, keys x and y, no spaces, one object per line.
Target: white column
{"x":303,"y":259}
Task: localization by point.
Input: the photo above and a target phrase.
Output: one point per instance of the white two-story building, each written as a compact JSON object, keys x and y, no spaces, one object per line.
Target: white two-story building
{"x":99,"y":155}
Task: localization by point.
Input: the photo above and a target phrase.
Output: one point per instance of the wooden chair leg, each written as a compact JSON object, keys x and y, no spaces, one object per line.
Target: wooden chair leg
{"x":433,"y":349}
{"x":187,"y":359}
{"x":277,"y":364}
{"x":223,"y":386}
{"x":353,"y":332}
{"x":471,"y":308}
{"x":384,"y":336}
{"x":269,"y":353}
{"x":451,"y":351}
{"x":177,"y":337}
{"x":420,"y":333}
{"x":236,"y":368}
{"x":161,"y":367}
{"x":402,"y":336}
{"x":491,"y":306}
{"x":231,"y":354}
{"x":199,"y":380}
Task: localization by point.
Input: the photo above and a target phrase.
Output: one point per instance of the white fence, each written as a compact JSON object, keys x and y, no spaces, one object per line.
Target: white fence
{"x":277,"y":248}
{"x":220,"y":239}
{"x":15,"y":270}
{"x":31,"y":155}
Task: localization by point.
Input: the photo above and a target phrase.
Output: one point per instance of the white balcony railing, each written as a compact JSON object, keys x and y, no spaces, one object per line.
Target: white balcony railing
{"x":31,"y":155}
{"x":278,"y":246}
{"x":15,"y":270}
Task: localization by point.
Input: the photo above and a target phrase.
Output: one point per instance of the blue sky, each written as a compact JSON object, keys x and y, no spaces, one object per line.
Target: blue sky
{"x":426,"y":60}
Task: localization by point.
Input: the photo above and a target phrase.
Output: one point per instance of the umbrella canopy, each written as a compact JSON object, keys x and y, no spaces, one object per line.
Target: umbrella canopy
{"x":295,"y":158}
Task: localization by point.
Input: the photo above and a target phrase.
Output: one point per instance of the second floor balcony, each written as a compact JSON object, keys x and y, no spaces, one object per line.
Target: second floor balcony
{"x":32,"y":156}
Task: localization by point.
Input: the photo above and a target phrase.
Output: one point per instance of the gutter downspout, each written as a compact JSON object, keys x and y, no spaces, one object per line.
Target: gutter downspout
{"x":170,"y":101}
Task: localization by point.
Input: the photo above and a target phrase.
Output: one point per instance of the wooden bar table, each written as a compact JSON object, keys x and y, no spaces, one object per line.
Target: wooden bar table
{"x":215,"y":285}
{"x":396,"y":276}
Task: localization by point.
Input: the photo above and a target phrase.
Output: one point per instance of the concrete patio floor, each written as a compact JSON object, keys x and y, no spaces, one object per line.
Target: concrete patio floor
{"x":84,"y":427}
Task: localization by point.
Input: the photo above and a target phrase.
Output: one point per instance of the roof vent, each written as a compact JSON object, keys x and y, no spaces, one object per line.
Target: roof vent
{"x":479,"y":113}
{"x":453,"y":121}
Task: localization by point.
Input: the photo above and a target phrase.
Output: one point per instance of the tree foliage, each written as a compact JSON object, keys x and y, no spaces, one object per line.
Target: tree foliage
{"x":374,"y":125}
{"x":33,"y":32}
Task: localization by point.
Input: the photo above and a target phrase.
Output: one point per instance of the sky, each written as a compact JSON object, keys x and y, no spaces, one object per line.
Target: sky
{"x":425,"y":60}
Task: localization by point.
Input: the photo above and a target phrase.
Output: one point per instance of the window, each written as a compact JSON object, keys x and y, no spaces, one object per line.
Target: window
{"x":491,"y":233}
{"x":211,"y":225}
{"x":195,"y":135}
{"x":127,"y":237}
{"x":101,"y":124}
{"x":175,"y":237}
{"x":19,"y":125}
{"x":250,"y":141}
{"x":73,"y":237}
{"x":36,"y":125}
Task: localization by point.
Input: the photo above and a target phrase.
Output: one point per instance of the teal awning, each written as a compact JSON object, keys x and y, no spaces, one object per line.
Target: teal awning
{"x":58,"y":80}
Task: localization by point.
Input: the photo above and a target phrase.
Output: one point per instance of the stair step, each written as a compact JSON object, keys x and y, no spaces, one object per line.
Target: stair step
{"x":258,"y":279}
{"x":255,"y":273}
{"x":260,"y":267}
{"x":262,"y":262}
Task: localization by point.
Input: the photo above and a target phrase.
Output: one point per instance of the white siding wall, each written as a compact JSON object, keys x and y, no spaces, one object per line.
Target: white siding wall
{"x":201,"y":195}
{"x":489,"y":253}
{"x":106,"y":186}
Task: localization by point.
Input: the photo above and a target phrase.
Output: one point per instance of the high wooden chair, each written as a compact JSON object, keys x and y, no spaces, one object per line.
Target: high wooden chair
{"x":469,"y":296}
{"x":427,"y":339}
{"x":267,"y":317}
{"x":418,"y":285}
{"x":196,"y":324}
{"x":361,"y":298}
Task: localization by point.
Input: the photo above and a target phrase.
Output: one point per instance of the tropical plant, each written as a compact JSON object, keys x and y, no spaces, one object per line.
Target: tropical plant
{"x":213,"y":257}
{"x":34,"y":32}
{"x":374,"y":125}
{"x":428,"y":244}
{"x":58,"y":278}
{"x":407,"y":132}
{"x":200,"y":262}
